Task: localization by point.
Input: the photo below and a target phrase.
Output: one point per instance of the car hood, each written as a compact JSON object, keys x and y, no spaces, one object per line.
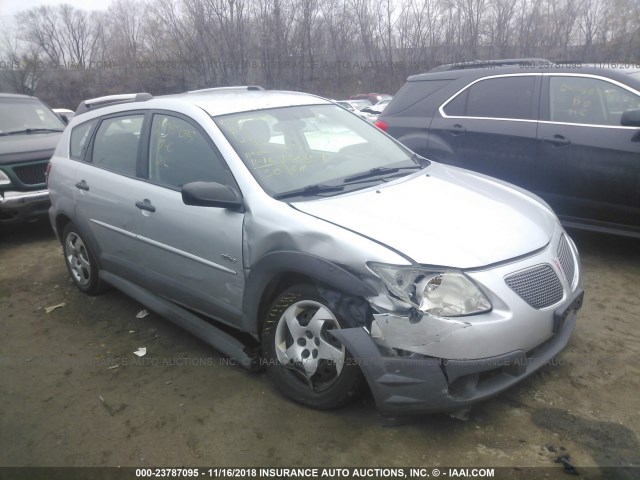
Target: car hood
{"x":24,"y":148}
{"x":447,"y":217}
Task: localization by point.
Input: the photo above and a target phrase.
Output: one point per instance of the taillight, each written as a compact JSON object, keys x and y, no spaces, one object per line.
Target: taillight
{"x":47,"y":172}
{"x":382,"y":125}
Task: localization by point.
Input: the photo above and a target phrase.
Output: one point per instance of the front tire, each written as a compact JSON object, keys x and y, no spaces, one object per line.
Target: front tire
{"x":80,"y":261}
{"x":304,"y":361}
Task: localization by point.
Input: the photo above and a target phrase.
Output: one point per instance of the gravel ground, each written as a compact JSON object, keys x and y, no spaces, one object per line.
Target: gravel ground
{"x":183,"y":404}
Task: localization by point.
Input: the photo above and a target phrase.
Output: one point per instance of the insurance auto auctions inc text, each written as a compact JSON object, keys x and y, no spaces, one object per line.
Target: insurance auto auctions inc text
{"x":369,"y":473}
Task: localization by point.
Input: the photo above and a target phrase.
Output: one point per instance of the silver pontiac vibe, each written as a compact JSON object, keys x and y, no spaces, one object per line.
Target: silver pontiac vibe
{"x":291,"y":234}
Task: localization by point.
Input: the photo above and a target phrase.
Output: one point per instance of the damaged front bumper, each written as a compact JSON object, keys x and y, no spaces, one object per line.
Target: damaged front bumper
{"x":419,"y":363}
{"x":414,"y":385}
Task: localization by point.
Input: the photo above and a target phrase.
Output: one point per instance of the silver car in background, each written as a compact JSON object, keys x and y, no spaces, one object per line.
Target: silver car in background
{"x":292,"y":235}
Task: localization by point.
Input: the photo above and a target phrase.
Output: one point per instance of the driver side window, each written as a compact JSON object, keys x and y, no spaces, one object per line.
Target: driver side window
{"x":588,"y":101}
{"x":180,"y":154}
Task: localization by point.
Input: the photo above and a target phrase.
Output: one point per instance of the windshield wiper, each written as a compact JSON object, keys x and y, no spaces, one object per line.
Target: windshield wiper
{"x":31,"y":130}
{"x":375,"y":172}
{"x":309,"y":190}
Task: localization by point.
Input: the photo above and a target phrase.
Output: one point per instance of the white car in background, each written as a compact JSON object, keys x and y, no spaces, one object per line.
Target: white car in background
{"x":65,"y":114}
{"x":357,"y":106}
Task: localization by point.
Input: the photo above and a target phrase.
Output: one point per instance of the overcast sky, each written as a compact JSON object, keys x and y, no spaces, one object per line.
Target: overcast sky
{"x":11,"y":7}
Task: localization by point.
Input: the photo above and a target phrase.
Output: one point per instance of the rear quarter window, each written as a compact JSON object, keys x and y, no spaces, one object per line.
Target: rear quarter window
{"x":412,"y":93}
{"x":80,"y":136}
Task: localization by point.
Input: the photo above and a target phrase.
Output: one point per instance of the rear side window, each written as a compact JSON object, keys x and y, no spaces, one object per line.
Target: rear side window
{"x":80,"y":136}
{"x":503,"y":97}
{"x":116,"y":144}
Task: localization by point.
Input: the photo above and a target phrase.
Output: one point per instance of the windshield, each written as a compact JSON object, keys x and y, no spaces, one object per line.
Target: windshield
{"x":24,"y":114}
{"x":325,"y":146}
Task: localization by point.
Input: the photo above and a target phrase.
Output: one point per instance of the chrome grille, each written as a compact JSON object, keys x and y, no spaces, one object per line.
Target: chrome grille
{"x":566,"y":259}
{"x":539,"y":286}
{"x":32,"y":174}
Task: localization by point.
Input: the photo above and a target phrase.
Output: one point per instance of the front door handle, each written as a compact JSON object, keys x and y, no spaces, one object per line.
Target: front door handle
{"x":557,"y":140}
{"x":146,"y":205}
{"x":455,"y":130}
{"x":82,"y":185}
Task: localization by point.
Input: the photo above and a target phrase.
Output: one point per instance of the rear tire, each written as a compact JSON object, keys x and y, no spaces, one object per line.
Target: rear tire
{"x":306,"y":363}
{"x":80,"y":261}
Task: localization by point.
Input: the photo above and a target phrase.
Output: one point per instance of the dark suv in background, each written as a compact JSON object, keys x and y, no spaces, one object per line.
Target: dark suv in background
{"x":569,"y":133}
{"x":29,"y":133}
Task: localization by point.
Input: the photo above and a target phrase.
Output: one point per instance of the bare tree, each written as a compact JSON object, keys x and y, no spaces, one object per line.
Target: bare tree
{"x":471,"y":15}
{"x":501,"y":26}
{"x":274,"y":22}
{"x":338,"y":23}
{"x":65,"y":35}
{"x":23,"y":62}
{"x":332,"y":47}
{"x":127,"y":26}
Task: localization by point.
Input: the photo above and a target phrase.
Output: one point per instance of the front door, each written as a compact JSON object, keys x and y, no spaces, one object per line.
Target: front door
{"x":589,"y":165}
{"x":193,"y":254}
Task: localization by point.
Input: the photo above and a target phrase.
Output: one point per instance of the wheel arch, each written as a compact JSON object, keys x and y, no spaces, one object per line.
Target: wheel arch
{"x":439,"y":150}
{"x":417,"y":141}
{"x":277,"y":271}
{"x":61,"y":221}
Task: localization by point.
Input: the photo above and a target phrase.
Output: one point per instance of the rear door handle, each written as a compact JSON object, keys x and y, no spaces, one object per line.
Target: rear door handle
{"x":146,"y":205}
{"x":557,"y":140}
{"x":457,"y":129}
{"x":82,"y":185}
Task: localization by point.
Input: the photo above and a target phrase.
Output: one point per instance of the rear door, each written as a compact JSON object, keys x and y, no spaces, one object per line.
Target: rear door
{"x":589,"y":165}
{"x":490,"y":126}
{"x":193,"y":254}
{"x":104,"y":190}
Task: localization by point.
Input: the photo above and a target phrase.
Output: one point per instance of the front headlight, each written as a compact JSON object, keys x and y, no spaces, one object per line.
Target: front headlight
{"x":438,"y":293}
{"x":4,"y":180}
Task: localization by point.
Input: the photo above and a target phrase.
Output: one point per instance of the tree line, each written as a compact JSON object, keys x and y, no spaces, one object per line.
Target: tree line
{"x":330,"y":47}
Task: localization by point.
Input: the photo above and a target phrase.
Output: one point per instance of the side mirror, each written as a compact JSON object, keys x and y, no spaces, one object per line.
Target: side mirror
{"x":211,"y":194}
{"x":631,"y":118}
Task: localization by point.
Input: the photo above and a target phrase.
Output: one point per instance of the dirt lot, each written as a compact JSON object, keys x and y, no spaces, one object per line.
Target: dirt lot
{"x":61,"y":404}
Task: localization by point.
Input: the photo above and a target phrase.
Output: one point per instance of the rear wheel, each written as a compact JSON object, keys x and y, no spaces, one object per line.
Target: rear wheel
{"x":80,"y":261}
{"x":305,"y":362}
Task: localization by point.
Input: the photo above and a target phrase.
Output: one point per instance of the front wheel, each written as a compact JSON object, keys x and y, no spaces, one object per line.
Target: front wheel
{"x":305,"y":362}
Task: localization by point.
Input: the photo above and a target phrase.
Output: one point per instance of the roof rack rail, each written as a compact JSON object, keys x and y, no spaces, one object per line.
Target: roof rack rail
{"x":489,"y":63}
{"x":227,"y":89}
{"x":108,"y":100}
